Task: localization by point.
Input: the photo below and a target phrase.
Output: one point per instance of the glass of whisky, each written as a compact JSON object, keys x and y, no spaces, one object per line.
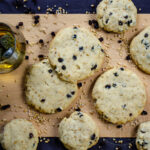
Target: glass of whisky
{"x":12,"y":48}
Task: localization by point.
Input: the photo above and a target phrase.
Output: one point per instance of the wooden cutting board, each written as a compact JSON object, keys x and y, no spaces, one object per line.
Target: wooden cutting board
{"x":12,"y":84}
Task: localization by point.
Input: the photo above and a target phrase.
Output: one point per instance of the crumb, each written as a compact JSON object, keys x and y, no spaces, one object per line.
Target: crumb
{"x":144,"y":113}
{"x":66,"y":4}
{"x":101,"y":39}
{"x":92,"y":6}
{"x":119,"y":126}
{"x":26,"y":57}
{"x":17,"y":27}
{"x":41,"y":56}
{"x":128,"y":57}
{"x":20,"y":24}
{"x":27,"y":42}
{"x":79,"y":85}
{"x":52,"y":34}
{"x":4,"y":107}
{"x":90,"y":22}
{"x":36,"y":19}
{"x":41,"y":41}
{"x":119,"y":41}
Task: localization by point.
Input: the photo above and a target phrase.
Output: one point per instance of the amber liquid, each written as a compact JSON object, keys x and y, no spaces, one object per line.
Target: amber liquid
{"x":15,"y":57}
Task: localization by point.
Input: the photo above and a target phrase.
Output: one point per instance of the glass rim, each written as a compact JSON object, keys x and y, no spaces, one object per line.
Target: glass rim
{"x":13,"y":34}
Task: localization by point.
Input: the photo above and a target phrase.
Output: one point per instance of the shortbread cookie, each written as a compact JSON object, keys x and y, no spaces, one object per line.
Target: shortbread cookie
{"x":143,"y":136}
{"x":75,"y":53}
{"x":78,"y":132}
{"x":120,"y":95}
{"x":45,"y":91}
{"x":116,"y":15}
{"x":140,"y":50}
{"x":19,"y":134}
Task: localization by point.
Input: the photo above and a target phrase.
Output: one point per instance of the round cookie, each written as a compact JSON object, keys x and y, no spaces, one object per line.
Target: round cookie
{"x":140,"y":50}
{"x":120,"y":95}
{"x":78,"y":132}
{"x":143,"y":136}
{"x":75,"y":53}
{"x":19,"y":134}
{"x":116,"y":15}
{"x":45,"y":91}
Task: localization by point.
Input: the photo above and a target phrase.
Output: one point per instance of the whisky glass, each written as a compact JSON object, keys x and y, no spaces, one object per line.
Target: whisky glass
{"x":12,"y":48}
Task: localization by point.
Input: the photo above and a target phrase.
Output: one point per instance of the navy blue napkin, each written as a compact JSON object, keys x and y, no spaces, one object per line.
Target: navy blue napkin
{"x":103,"y":144}
{"x":71,"y":6}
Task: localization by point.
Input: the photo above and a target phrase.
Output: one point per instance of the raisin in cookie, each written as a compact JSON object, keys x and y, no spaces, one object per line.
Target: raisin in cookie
{"x":75,"y":53}
{"x":120,"y":95}
{"x":143,"y":136}
{"x":45,"y":91}
{"x":116,"y":15}
{"x":140,"y":50}
{"x":19,"y":134}
{"x":78,"y":132}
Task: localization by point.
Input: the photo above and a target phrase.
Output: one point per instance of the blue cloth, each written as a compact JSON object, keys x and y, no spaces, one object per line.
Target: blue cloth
{"x":103,"y":144}
{"x":72,"y":6}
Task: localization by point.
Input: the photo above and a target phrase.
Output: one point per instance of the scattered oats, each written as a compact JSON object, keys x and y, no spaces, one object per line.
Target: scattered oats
{"x":33,"y":25}
{"x":32,"y":43}
{"x":20,"y":106}
{"x":92,"y":5}
{"x":60,"y":10}
{"x":136,"y":29}
{"x":120,"y":141}
{"x":130,"y":145}
{"x":4,"y":120}
{"x":30,"y":52}
{"x":28,"y":29}
{"x":134,"y":123}
{"x":47,"y":140}
{"x":87,"y":12}
{"x":91,"y":112}
{"x":39,"y":8}
{"x":45,"y":16}
{"x":44,"y":30}
{"x":49,"y":10}
{"x":25,"y":110}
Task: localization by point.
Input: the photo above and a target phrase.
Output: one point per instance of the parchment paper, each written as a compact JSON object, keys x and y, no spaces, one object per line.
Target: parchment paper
{"x":11,"y":84}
